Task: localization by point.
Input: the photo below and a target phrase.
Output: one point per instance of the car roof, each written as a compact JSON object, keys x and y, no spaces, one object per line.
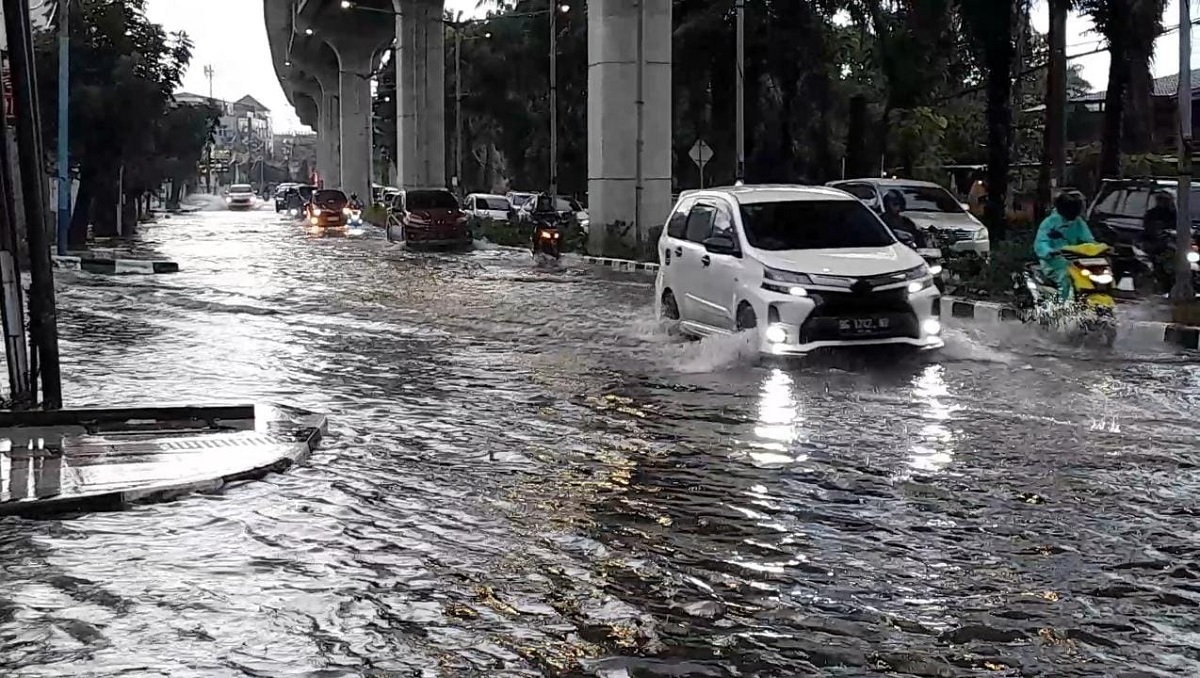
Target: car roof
{"x":885,"y":183}
{"x":755,"y":193}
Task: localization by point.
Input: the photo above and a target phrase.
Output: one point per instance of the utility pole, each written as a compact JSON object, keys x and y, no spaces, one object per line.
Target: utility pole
{"x":208,"y":73}
{"x":64,"y":92}
{"x":740,"y":92}
{"x":16,"y":348}
{"x":43,"y":320}
{"x":640,"y":144}
{"x":554,"y":99}
{"x":458,"y":126}
{"x":1182,"y":291}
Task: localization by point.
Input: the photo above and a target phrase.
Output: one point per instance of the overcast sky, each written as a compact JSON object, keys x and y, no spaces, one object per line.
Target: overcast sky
{"x":230,"y":36}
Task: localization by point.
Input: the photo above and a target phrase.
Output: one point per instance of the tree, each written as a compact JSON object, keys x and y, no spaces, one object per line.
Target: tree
{"x":1130,"y":28}
{"x":990,"y":24}
{"x":124,"y":69}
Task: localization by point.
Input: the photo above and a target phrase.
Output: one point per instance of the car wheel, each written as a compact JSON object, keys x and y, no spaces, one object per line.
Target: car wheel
{"x":746,"y":320}
{"x":669,"y":310}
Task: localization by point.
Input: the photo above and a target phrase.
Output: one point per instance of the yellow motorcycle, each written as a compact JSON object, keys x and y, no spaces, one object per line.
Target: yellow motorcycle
{"x":1091,"y":309}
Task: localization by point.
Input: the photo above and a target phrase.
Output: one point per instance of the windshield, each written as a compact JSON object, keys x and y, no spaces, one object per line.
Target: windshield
{"x":430,"y":200}
{"x":329,"y":198}
{"x":491,"y":203}
{"x":241,"y":188}
{"x":812,"y":225}
{"x":519,"y":199}
{"x":928,"y":199}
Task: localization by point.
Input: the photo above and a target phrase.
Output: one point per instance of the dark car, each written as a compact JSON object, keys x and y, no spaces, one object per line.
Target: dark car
{"x":281,"y":196}
{"x":1115,"y":216}
{"x":296,"y":198}
{"x":327,"y":208}
{"x":428,"y":218}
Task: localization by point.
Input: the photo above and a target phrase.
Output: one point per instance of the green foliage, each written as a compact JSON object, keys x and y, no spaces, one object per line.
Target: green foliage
{"x":375,"y":214}
{"x":123,"y":71}
{"x":997,"y":278}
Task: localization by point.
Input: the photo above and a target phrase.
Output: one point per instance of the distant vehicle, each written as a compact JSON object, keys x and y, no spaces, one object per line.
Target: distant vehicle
{"x":327,"y":208}
{"x":1115,"y":215}
{"x":281,"y":195}
{"x":568,"y":209}
{"x":428,"y":219}
{"x":240,"y":197}
{"x":295,"y":199}
{"x":801,"y":267}
{"x":483,"y":206}
{"x":387,"y":195}
{"x":932,"y":208}
{"x":518,"y":199}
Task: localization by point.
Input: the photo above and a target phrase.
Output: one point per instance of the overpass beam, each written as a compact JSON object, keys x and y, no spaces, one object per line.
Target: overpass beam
{"x":354,"y":113}
{"x":629,"y":126}
{"x":420,"y":95}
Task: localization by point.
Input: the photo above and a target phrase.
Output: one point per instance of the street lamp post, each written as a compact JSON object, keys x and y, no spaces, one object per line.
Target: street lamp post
{"x":458,"y":126}
{"x":64,"y":175}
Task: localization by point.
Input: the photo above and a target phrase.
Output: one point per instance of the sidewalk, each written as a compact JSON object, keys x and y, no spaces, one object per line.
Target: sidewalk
{"x":114,"y":261}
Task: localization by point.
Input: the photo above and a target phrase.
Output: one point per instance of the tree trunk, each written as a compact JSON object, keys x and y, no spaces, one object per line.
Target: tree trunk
{"x":856,"y":138}
{"x":1138,"y":119}
{"x":999,"y":119}
{"x":1114,"y":104}
{"x":104,"y":204}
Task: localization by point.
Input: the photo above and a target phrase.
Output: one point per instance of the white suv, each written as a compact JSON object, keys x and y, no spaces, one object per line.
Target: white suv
{"x":804,"y":267}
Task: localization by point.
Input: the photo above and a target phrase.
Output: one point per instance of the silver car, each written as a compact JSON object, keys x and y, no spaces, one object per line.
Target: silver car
{"x":929,"y":206}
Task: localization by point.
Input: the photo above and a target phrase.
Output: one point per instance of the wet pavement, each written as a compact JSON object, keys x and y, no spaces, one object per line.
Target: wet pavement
{"x":526,"y":475}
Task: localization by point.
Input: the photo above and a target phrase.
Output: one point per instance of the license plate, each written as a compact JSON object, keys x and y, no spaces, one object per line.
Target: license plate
{"x":862,"y":325}
{"x":1092,"y":262}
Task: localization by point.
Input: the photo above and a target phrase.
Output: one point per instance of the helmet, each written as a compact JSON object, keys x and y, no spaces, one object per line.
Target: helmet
{"x":1069,"y":204}
{"x":354,"y":196}
{"x":894,"y":197}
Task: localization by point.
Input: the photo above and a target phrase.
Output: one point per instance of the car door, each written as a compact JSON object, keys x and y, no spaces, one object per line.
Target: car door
{"x":693,"y":259}
{"x":670,"y":254}
{"x":718,"y":277}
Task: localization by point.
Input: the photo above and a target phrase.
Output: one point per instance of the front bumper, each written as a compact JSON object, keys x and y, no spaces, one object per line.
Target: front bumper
{"x":240,"y":205}
{"x":980,"y":247}
{"x":826,"y":319}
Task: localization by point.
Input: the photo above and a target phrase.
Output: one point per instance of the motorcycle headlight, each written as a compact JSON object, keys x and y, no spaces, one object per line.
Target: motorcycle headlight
{"x":1193,"y":257}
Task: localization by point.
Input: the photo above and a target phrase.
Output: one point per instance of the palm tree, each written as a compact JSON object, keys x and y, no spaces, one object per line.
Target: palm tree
{"x":1130,"y":28}
{"x":990,"y":24}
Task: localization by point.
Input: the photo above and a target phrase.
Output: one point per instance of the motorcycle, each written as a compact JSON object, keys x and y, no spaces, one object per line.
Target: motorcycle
{"x":546,"y":239}
{"x":1091,"y":308}
{"x":353,"y":217}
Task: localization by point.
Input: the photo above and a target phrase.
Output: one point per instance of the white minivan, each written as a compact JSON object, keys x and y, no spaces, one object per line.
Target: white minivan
{"x":803,"y":267}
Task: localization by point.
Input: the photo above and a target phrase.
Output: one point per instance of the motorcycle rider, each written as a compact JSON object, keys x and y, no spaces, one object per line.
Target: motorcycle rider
{"x":542,"y":212}
{"x":354,"y":204}
{"x":1064,"y":227}
{"x":894,"y":205}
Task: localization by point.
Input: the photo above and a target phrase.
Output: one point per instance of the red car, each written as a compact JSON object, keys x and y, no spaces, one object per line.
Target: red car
{"x":428,"y":219}
{"x":327,"y":208}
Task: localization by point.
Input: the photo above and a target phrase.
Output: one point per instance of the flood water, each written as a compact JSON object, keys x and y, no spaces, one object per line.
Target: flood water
{"x":525,"y":475}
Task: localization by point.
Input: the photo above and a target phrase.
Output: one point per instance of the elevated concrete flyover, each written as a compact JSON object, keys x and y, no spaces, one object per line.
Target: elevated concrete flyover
{"x":325,"y":50}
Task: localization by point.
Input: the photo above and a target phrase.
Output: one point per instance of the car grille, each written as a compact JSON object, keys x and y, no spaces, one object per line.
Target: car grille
{"x":963,"y":234}
{"x":831,"y":307}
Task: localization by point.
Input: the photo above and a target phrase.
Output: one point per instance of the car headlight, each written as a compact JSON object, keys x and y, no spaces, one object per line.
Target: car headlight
{"x":1193,"y":257}
{"x":918,"y":272}
{"x":786,"y":277}
{"x":981,"y":234}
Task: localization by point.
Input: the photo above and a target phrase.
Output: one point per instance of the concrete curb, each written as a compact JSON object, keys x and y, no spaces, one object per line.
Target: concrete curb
{"x":114,"y":266}
{"x":1183,"y":336}
{"x":621,"y":264}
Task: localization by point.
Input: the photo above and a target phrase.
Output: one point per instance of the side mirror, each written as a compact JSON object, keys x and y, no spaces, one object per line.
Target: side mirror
{"x":965,"y":205}
{"x":720,"y":244}
{"x":905,"y":238}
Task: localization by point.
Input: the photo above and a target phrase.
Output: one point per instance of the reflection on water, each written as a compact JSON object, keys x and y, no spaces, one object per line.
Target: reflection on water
{"x":527,"y":475}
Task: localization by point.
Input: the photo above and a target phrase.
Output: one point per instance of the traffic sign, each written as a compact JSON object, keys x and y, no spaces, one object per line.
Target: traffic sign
{"x":701,"y":153}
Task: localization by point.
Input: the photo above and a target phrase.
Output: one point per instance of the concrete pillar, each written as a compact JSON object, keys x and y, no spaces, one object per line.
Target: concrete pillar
{"x":615,"y":145}
{"x":329,"y":140}
{"x":420,"y":95}
{"x":354,"y":102}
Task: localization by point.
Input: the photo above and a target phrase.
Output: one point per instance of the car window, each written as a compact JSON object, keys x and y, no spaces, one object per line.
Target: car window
{"x":492,"y":204}
{"x":1125,"y":202}
{"x":241,"y":188}
{"x":398,"y":201}
{"x":860,"y":191}
{"x":431,"y":200}
{"x":723,"y":223}
{"x":813,"y":224}
{"x":677,"y":224}
{"x":699,"y":222}
{"x":928,"y":199}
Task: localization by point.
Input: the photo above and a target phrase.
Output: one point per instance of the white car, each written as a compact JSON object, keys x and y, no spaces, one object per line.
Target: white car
{"x":483,"y":206}
{"x":240,"y":197}
{"x":803,"y":267}
{"x":929,"y":206}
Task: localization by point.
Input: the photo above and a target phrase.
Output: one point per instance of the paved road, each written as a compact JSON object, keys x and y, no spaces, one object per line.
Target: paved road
{"x":527,"y":476}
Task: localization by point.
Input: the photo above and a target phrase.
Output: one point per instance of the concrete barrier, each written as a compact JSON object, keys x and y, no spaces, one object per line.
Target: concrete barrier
{"x":1173,"y":334}
{"x":621,"y":264}
{"x":114,"y":266}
